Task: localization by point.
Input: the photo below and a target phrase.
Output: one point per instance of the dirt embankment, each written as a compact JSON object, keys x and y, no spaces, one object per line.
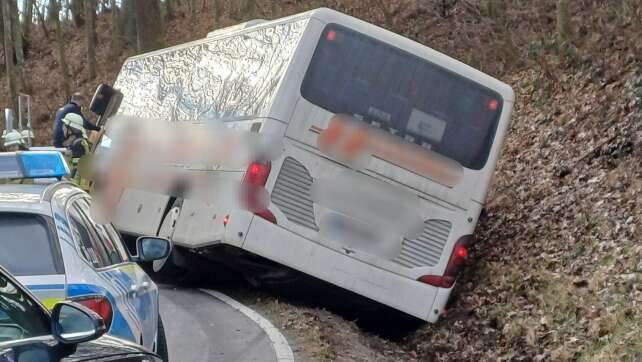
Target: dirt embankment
{"x":556,"y":273}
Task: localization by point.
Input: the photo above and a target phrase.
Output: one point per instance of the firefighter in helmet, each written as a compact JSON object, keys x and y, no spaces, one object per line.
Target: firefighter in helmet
{"x":13,"y":141}
{"x":77,"y":144}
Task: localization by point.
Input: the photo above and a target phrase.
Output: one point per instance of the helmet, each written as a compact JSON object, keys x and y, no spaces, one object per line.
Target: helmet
{"x":12,"y":138}
{"x":27,"y":134}
{"x":74,"y":121}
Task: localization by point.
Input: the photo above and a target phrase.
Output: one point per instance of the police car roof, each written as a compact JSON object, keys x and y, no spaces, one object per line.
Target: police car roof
{"x":27,"y":197}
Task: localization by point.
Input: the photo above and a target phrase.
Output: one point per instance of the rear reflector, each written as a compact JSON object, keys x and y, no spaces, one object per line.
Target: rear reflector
{"x":267,"y":215}
{"x":98,"y":304}
{"x":457,"y":259}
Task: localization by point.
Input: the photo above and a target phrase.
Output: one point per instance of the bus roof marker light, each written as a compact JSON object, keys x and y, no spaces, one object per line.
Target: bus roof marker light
{"x":493,"y":104}
{"x":332,"y":35}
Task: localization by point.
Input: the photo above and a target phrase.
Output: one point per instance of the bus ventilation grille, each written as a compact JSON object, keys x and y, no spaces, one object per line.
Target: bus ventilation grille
{"x":291,"y":193}
{"x":426,"y":250}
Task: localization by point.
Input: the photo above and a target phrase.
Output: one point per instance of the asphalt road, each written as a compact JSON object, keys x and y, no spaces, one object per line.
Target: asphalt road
{"x":200,"y":328}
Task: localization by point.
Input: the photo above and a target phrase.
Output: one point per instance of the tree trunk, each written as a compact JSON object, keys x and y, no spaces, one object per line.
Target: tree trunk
{"x":169,"y":10}
{"x":90,"y":36}
{"x":128,"y":26}
{"x":249,"y":6}
{"x":52,"y":11}
{"x":60,"y":42}
{"x":28,"y":17}
{"x":190,"y":7}
{"x":41,"y":20}
{"x":8,"y":54}
{"x":216,"y":8}
{"x":115,"y":31}
{"x":564,"y":31}
{"x":148,"y":24}
{"x":77,"y":9}
{"x":16,"y":33}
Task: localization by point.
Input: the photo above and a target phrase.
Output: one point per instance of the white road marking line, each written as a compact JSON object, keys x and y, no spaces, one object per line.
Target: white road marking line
{"x":279,"y":343}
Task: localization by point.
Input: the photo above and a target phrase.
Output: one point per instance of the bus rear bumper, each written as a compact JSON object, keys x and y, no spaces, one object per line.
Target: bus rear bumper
{"x":263,"y":238}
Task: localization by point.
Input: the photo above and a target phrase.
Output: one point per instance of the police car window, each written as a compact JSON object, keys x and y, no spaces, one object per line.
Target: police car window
{"x":28,"y":246}
{"x":20,"y":316}
{"x":111,"y":242}
{"x":90,"y":247}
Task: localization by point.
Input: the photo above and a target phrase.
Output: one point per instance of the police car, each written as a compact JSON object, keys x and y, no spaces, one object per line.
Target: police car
{"x":50,"y":242}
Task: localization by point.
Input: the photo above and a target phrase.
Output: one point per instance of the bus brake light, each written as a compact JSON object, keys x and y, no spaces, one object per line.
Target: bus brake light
{"x":455,"y":263}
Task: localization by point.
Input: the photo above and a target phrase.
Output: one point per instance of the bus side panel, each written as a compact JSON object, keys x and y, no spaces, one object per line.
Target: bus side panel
{"x":198,"y":225}
{"x":288,"y":93}
{"x":140,"y":212}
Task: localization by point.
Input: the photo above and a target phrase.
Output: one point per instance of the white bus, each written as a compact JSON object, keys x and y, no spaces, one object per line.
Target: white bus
{"x":388,"y":152}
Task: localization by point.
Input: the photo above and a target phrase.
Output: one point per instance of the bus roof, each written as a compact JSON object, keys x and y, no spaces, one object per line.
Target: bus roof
{"x":331,"y":16}
{"x":328,"y":16}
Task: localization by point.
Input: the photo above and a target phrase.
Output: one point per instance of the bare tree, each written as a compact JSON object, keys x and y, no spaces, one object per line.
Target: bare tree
{"x":190,"y":7}
{"x":16,"y":33}
{"x":216,"y":8}
{"x":115,"y":30}
{"x":169,"y":10}
{"x":41,"y":19}
{"x":8,"y":53}
{"x":77,"y":9}
{"x":27,"y":11}
{"x":90,"y":36}
{"x":248,"y":8}
{"x":148,"y":25}
{"x":53,"y":11}
{"x":60,"y":42}
{"x":244,"y":9}
{"x":128,"y":26}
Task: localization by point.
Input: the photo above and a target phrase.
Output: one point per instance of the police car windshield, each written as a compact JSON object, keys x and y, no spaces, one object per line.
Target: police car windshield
{"x":27,"y":244}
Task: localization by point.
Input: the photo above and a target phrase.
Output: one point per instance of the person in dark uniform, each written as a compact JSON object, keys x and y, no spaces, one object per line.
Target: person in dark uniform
{"x":73,"y":107}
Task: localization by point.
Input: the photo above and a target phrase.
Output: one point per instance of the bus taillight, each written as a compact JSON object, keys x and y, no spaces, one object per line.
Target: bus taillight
{"x":254,"y":195}
{"x":455,"y":263}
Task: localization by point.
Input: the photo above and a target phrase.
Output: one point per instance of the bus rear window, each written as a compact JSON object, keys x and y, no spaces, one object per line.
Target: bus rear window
{"x":404,"y":94}
{"x":27,"y":245}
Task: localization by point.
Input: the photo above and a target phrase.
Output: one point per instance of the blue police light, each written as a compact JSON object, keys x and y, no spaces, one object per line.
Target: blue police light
{"x":9,"y":167}
{"x":42,"y":164}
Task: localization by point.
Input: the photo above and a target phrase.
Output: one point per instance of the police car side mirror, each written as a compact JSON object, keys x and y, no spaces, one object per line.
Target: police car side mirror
{"x":150,"y":248}
{"x":72,"y":323}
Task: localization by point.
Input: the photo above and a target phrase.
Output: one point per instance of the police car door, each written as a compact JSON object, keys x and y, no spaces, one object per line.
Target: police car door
{"x":139,"y":293}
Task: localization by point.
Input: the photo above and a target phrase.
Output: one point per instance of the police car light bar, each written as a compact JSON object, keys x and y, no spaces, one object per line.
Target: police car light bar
{"x":33,"y":164}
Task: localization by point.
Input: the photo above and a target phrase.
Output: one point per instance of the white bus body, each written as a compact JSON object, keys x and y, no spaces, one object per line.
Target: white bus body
{"x":291,"y":77}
